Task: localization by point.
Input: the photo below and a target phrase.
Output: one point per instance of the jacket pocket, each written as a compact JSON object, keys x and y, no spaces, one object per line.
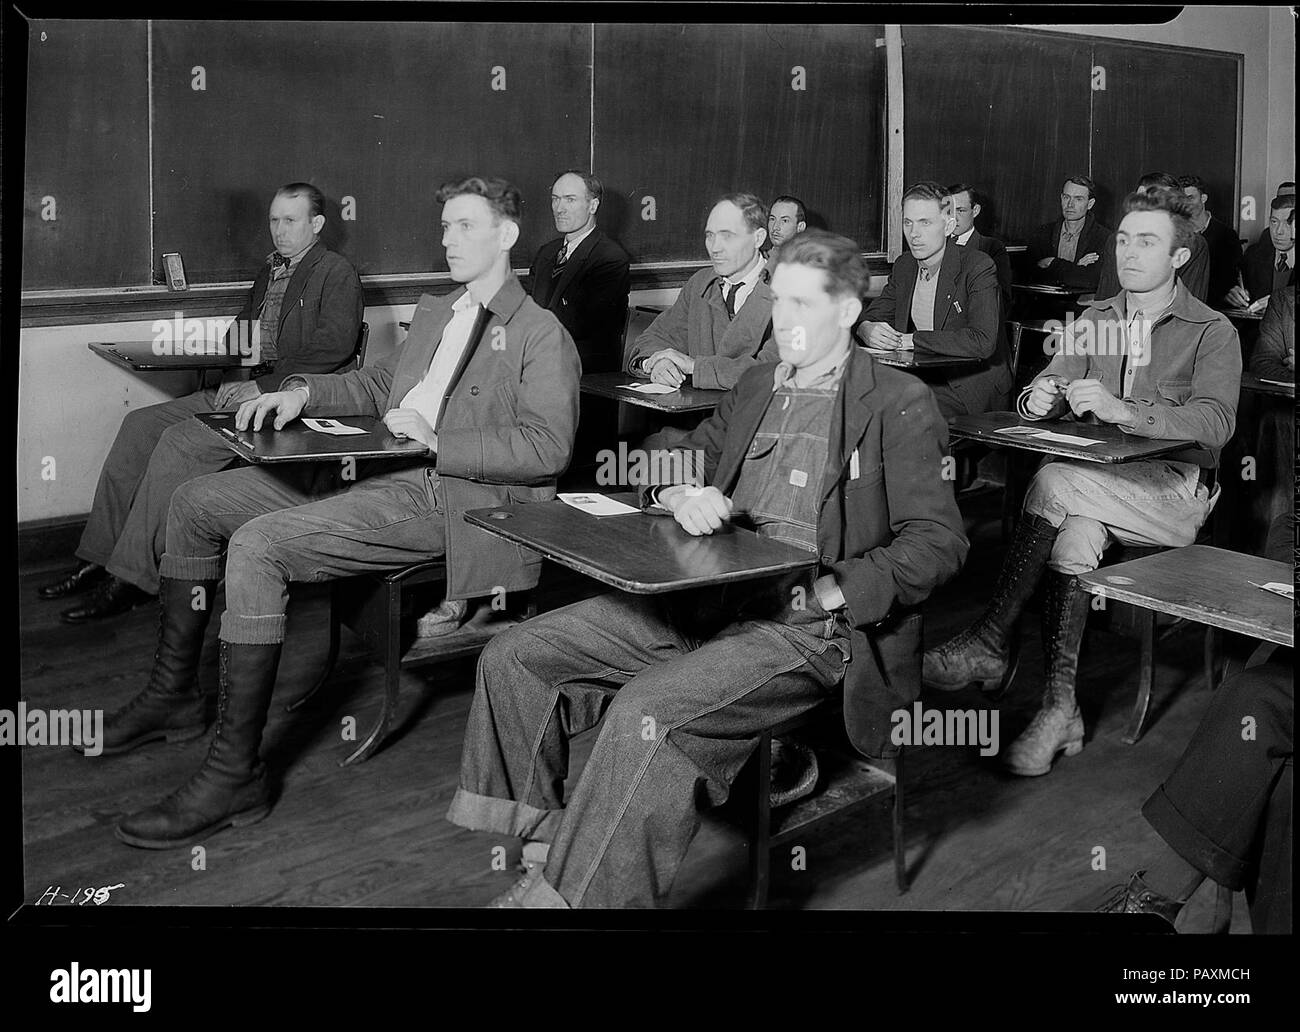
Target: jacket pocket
{"x":1176,"y":391}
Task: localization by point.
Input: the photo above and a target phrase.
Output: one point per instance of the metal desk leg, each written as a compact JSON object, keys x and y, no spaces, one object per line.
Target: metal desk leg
{"x":1146,"y":676}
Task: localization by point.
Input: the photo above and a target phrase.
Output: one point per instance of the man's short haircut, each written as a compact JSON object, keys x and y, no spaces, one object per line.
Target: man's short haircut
{"x":1159,"y":179}
{"x":801,"y":213}
{"x":965,"y":188}
{"x":754,"y":210}
{"x":1286,"y":200}
{"x":929,"y":190}
{"x":1196,"y":181}
{"x":595,"y":190}
{"x":1285,"y":188}
{"x":502,"y":197}
{"x":1173,"y":201}
{"x":1086,"y":183}
{"x":837,"y":256}
{"x":315,"y":199}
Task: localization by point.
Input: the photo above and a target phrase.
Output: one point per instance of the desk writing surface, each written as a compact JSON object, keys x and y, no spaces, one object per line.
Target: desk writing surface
{"x":684,"y":399}
{"x":297,"y":443}
{"x":909,"y":358}
{"x":139,"y":355}
{"x":636,"y":552}
{"x":1048,"y":289}
{"x":1251,"y":382}
{"x":1205,"y":584}
{"x":1116,"y":446}
{"x":1244,"y":313}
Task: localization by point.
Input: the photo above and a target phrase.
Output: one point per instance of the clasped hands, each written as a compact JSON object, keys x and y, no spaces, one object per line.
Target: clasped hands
{"x":1083,"y":396}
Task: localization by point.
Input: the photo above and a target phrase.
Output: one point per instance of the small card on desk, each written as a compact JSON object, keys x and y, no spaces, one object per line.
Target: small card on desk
{"x":1046,"y":435}
{"x":360,"y":437}
{"x":651,"y":388}
{"x":331,"y":426}
{"x":595,"y":504}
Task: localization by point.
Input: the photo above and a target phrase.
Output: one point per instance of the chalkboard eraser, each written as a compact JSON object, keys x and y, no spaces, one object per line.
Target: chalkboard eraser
{"x":175,"y":269}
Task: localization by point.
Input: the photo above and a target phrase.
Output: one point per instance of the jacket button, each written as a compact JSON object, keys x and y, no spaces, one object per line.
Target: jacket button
{"x":827,"y":560}
{"x":474,"y":391}
{"x":1151,"y":419}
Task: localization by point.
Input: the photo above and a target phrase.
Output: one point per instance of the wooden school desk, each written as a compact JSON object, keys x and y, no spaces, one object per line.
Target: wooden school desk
{"x":298,"y":443}
{"x":907,"y":358}
{"x":1251,"y":382}
{"x":1114,"y":446}
{"x":616,"y":386}
{"x":139,"y":356}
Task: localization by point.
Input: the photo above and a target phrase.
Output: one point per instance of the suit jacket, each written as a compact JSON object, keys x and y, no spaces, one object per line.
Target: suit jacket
{"x":1092,"y":239}
{"x":890,"y":536}
{"x":1276,"y":337}
{"x":1225,"y":258}
{"x":589,"y":296}
{"x":320,"y":316}
{"x":1257,"y":268}
{"x":967,"y":321}
{"x":1195,"y":275}
{"x":995,"y":249}
{"x":697,"y":325}
{"x":505,"y":432}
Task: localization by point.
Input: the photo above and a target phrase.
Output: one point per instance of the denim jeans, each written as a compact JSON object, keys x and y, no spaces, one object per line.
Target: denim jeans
{"x":294,"y":527}
{"x":1135,"y":503}
{"x":685,"y":684}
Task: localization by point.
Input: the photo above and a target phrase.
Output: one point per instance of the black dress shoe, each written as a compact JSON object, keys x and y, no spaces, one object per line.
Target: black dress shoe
{"x":74,"y":582}
{"x":110,"y":598}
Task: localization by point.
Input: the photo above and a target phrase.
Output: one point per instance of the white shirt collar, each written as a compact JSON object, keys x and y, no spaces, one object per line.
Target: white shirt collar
{"x":572,"y":245}
{"x":750,"y":279}
{"x":965,"y":236}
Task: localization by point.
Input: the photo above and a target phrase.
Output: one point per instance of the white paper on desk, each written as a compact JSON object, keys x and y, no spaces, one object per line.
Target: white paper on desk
{"x":332,"y":427}
{"x":1277,"y":383}
{"x":650,"y":388}
{"x":1285,"y":590}
{"x":596,"y":504}
{"x":1046,"y":435}
{"x":888,"y":352}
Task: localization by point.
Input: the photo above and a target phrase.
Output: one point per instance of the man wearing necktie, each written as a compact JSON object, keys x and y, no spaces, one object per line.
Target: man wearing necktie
{"x":1154,"y":362}
{"x":486,"y":380}
{"x":1269,"y":263}
{"x":308,"y":306}
{"x":721,"y":323}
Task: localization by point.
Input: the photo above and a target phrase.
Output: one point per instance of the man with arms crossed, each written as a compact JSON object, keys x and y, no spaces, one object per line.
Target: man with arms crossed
{"x":827,"y":451}
{"x":1068,"y":253}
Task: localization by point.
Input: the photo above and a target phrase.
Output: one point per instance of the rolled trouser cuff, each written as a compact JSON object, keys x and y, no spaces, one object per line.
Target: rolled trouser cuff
{"x":252,"y":630}
{"x":1192,"y":844}
{"x":190,"y":567}
{"x":504,"y":816}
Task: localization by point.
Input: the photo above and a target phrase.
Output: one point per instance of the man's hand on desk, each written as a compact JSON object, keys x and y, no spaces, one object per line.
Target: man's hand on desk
{"x":233,"y":394}
{"x":1087,"y":396}
{"x":1088,"y":259}
{"x":408,"y":423}
{"x":285,"y":404}
{"x":1237,"y":298}
{"x":670,"y":367}
{"x":1043,"y":263}
{"x":697,"y":510}
{"x":886,"y":338}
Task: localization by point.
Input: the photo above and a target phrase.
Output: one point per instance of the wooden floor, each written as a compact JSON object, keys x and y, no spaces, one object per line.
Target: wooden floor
{"x":375,"y":836}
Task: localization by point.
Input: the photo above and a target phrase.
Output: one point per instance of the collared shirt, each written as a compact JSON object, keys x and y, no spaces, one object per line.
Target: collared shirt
{"x":965,"y":237}
{"x":426,"y":396}
{"x":1281,"y":273}
{"x":747,"y":283}
{"x":572,"y":245}
{"x":927,"y":285}
{"x":1137,"y":335}
{"x":269,"y":321}
{"x":1068,"y":246}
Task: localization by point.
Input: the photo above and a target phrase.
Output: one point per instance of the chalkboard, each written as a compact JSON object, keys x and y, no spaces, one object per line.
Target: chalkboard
{"x":86,"y":189}
{"x":683,"y":113}
{"x":1004,"y":111}
{"x":381,"y":113}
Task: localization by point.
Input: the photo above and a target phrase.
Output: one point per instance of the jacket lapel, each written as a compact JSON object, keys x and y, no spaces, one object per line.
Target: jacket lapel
{"x":298,"y":280}
{"x":947,"y":286}
{"x":574,"y":263}
{"x":417,"y":353}
{"x":849,"y":419}
{"x":906,"y":287}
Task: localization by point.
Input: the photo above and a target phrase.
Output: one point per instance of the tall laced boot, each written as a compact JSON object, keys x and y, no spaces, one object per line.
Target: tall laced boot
{"x":171,"y":705}
{"x":230,"y":789}
{"x":1057,"y":726}
{"x":980,"y":653}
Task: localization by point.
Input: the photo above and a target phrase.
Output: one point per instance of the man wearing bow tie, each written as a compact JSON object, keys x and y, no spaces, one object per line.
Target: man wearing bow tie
{"x":306,"y":304}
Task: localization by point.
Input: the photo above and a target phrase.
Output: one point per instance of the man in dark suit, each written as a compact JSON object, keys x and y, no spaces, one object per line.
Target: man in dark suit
{"x":1220,"y":239}
{"x":1269,"y":263}
{"x":583,"y":276}
{"x":1194,"y":275}
{"x":825,"y":450}
{"x":943,"y":300}
{"x":305,"y":311}
{"x":486,"y":380}
{"x":1069,"y":252}
{"x":966,"y":209}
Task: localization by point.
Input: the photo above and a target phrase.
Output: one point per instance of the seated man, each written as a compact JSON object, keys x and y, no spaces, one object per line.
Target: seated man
{"x":1224,"y":812}
{"x":1274,"y":357}
{"x":966,"y":209}
{"x":1194,"y":274}
{"x":308,"y":303}
{"x":1269,"y":263}
{"x":721,"y":322}
{"x":1224,"y":248}
{"x":1068,"y":253}
{"x":943,"y":300}
{"x":487,"y":380}
{"x":826,"y":451}
{"x":1156,"y":363}
{"x":583,"y":276}
{"x":786,"y":219}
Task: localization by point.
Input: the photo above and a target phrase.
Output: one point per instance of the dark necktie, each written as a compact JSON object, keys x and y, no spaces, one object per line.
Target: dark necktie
{"x":560,"y":259}
{"x":279,"y":261}
{"x":731,"y":300}
{"x":1281,"y":261}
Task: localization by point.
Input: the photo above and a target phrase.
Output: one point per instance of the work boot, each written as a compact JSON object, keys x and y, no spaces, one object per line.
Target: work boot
{"x":1139,"y":898}
{"x":1057,"y":726}
{"x":171,"y":705}
{"x":83,"y":578}
{"x":980,"y":653}
{"x":230,"y":789}
{"x":111,"y":597}
{"x":530,"y":867}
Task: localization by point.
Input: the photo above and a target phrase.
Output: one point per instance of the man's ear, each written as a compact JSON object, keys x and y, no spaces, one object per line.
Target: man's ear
{"x":802,"y":226}
{"x":593,"y":206}
{"x":850,"y":309}
{"x":761,"y":233}
{"x":317,"y":223}
{"x":509,"y":234}
{"x":1091,"y":202}
{"x":1181,"y":256}
{"x":975,"y":210}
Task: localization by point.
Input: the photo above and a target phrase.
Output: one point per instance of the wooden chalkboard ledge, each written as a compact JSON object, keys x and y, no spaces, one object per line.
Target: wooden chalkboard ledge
{"x":129,"y":304}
